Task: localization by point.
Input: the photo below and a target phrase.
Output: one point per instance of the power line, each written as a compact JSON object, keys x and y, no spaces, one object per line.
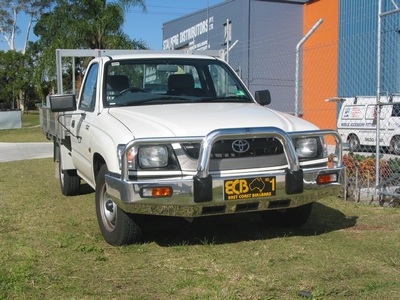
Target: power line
{"x":175,"y":7}
{"x":186,"y":10}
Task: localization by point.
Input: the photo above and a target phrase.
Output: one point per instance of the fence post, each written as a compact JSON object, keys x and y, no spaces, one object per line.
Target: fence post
{"x":302,"y":41}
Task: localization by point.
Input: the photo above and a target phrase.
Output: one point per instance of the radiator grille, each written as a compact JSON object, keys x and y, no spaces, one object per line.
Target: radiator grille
{"x":239,"y":148}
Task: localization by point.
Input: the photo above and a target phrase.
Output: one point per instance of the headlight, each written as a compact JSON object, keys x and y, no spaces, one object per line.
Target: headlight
{"x":153,"y":156}
{"x":307,"y":147}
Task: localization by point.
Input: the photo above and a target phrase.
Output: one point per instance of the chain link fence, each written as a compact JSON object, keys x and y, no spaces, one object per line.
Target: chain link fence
{"x":341,"y":73}
{"x":370,"y":121}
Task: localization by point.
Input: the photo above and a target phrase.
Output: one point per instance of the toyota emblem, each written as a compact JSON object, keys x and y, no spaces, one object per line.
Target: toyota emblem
{"x":240,"y":146}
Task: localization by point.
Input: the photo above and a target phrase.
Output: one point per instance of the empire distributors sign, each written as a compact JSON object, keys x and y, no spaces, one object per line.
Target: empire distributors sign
{"x":189,"y":35}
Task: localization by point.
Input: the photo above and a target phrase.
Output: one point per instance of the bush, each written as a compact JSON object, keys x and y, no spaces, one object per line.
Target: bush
{"x":365,"y":167}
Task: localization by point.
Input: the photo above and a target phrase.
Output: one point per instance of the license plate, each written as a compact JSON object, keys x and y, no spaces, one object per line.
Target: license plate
{"x":249,"y":188}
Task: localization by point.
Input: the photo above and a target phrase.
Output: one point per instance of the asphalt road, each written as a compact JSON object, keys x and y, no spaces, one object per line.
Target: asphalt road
{"x":22,"y":151}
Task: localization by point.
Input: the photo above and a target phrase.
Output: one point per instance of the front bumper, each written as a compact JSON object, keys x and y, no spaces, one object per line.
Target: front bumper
{"x":203,"y":194}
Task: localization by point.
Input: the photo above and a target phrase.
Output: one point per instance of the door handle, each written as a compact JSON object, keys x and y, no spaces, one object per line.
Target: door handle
{"x":87,"y":126}
{"x":73,"y":123}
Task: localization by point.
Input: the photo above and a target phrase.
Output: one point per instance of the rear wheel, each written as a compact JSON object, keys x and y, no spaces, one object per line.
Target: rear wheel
{"x":70,"y":182}
{"x":116,"y":226}
{"x":354,"y":143}
{"x":291,"y":217}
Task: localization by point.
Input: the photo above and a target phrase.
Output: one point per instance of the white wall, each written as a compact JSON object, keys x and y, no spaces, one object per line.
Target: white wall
{"x":10,"y":119}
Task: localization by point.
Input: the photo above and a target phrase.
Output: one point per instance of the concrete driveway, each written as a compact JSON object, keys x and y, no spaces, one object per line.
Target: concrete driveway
{"x":21,"y":151}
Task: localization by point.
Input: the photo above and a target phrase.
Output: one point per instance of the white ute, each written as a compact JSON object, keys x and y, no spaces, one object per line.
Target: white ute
{"x":178,"y":134}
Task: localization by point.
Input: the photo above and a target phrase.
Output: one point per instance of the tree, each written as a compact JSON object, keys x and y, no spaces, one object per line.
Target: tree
{"x":9,"y":11}
{"x":86,"y":24}
{"x":13,"y":78}
{"x":93,"y":24}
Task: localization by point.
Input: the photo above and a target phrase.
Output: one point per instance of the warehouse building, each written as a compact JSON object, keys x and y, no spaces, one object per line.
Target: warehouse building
{"x":249,"y":27}
{"x":264,"y":37}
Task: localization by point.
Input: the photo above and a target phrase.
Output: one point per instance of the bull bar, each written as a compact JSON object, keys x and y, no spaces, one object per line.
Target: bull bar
{"x":202,"y":194}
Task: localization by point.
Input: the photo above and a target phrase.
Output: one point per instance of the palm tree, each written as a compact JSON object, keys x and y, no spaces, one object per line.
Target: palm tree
{"x":93,"y":24}
{"x":85,"y":24}
{"x":101,"y":26}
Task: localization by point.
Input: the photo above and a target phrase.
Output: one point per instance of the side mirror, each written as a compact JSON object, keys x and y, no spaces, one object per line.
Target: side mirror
{"x":263,"y":97}
{"x":61,"y":103}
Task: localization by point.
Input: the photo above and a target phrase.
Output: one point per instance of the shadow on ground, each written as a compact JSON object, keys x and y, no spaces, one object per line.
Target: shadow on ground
{"x":170,"y":231}
{"x":85,"y":189}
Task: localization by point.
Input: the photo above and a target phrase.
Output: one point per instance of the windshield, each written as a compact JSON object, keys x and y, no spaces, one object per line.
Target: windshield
{"x":169,"y":81}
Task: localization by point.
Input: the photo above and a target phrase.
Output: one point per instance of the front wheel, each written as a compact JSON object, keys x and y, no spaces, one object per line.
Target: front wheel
{"x":116,"y":226}
{"x":291,"y":217}
{"x":354,"y":143}
{"x":395,"y":145}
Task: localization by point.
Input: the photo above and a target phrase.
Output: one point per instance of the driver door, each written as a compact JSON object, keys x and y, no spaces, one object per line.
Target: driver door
{"x":81,"y":124}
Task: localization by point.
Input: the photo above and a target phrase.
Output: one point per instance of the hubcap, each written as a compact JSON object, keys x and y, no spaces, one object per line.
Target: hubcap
{"x":109,"y":212}
{"x":353,"y":143}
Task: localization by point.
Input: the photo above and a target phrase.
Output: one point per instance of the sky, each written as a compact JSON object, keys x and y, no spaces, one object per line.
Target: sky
{"x":146,"y":26}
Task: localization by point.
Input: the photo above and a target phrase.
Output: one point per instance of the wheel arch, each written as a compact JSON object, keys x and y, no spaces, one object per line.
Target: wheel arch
{"x":350,"y":135}
{"x":395,"y":137}
{"x":98,"y":162}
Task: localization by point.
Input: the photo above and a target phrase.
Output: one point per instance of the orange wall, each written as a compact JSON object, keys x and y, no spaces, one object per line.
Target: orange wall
{"x":320,"y":55}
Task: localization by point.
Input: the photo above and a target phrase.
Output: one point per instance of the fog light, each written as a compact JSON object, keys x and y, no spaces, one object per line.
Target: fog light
{"x":327,"y":178}
{"x":152,"y":192}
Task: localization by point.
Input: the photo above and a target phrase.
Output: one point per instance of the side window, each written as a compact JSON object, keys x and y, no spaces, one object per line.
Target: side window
{"x":88,"y":96}
{"x":193,"y":71}
{"x":353,"y":112}
{"x":396,"y":110}
{"x":224,"y":84}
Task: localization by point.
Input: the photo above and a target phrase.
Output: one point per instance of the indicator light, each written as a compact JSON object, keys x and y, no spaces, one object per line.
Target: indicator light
{"x":152,"y":192}
{"x":327,"y":178}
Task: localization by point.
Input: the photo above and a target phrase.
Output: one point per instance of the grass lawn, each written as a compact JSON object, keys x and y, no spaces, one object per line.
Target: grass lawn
{"x":51,"y":248}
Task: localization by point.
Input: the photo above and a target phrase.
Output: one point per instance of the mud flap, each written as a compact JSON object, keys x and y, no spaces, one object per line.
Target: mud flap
{"x":294,"y":182}
{"x":202,"y":189}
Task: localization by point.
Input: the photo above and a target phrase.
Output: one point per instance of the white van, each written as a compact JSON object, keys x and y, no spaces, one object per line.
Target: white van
{"x":356,"y":122}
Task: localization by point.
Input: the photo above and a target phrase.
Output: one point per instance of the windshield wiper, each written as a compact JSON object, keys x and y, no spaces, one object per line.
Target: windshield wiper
{"x":223,"y":99}
{"x":163,"y":98}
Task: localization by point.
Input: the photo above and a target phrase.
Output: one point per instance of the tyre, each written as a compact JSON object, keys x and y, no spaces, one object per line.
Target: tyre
{"x":395,"y":145}
{"x":70,"y":182}
{"x":116,"y":226}
{"x":292,"y":217}
{"x":354,"y":143}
